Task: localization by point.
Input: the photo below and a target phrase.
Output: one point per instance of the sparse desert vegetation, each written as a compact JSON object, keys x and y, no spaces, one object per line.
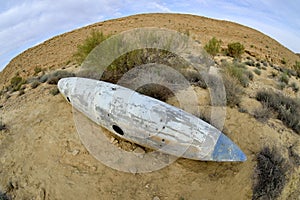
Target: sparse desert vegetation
{"x":238,"y":71}
{"x":83,"y":50}
{"x":287,"y":109}
{"x":16,"y":83}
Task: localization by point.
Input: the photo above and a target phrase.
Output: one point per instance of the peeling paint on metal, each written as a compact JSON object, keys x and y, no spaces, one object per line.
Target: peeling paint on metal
{"x":149,"y":122}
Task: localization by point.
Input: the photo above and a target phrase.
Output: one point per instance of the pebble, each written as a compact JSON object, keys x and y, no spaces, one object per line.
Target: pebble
{"x":133,"y":170}
{"x":75,"y":152}
{"x":115,"y":141}
{"x":139,"y":152}
{"x":156,"y":198}
{"x":42,"y":194}
{"x":112,"y":139}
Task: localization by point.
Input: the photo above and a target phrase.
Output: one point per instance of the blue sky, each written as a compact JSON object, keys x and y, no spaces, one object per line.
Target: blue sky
{"x":25,"y":23}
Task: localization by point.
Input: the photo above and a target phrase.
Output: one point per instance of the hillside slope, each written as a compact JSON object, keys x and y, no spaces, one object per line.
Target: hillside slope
{"x":57,"y":52}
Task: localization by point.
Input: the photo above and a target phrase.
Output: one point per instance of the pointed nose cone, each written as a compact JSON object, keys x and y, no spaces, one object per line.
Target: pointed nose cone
{"x":226,"y":150}
{"x":66,"y":86}
{"x":62,"y":85}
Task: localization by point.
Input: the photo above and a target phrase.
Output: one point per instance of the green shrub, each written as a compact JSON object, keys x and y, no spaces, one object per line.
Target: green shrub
{"x":16,"y":83}
{"x":297,"y":68}
{"x":265,"y":63}
{"x":213,"y":46}
{"x":57,"y":75}
{"x":195,"y":78}
{"x":235,"y":49}
{"x":237,"y":70}
{"x":37,"y":70}
{"x":249,"y":74}
{"x":35,"y":84}
{"x":257,"y":71}
{"x":140,"y":57}
{"x":283,"y":61}
{"x":288,"y":109}
{"x":281,"y":85}
{"x":270,"y":174}
{"x":156,"y":91}
{"x":44,"y":78}
{"x":88,"y":45}
{"x":284,"y":78}
{"x":294,"y":87}
{"x":54,"y":91}
{"x":258,"y":65}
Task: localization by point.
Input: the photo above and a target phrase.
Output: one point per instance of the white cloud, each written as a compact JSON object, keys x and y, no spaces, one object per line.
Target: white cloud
{"x":29,"y":22}
{"x":160,"y":7}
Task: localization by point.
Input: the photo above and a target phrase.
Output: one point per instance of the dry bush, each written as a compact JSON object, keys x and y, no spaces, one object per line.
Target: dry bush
{"x":54,"y":91}
{"x":35,"y":84}
{"x":270,"y":174}
{"x":156,"y":91}
{"x":233,"y":90}
{"x":288,"y":109}
{"x":3,"y":196}
{"x":284,"y":78}
{"x":257,"y":71}
{"x":57,"y":75}
{"x":262,"y":114}
{"x":238,"y":71}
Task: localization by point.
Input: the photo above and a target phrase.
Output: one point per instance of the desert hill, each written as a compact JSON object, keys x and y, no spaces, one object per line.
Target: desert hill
{"x":57,"y":52}
{"x":42,"y":156}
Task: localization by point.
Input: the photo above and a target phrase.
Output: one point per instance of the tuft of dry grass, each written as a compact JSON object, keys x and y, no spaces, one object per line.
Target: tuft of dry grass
{"x":233,"y":90}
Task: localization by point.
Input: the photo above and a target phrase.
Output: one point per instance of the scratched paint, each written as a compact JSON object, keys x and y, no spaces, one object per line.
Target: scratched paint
{"x":148,"y":122}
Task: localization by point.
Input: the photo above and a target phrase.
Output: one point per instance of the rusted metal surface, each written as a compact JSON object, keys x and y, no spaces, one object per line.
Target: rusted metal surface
{"x":147,"y":121}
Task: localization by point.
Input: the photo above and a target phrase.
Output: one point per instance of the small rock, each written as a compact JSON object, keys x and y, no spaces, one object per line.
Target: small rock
{"x":133,"y":170}
{"x":42,"y":194}
{"x":112,"y":139}
{"x":115,"y":141}
{"x":14,"y":184}
{"x":139,"y":150}
{"x":156,"y":198}
{"x":75,"y":152}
